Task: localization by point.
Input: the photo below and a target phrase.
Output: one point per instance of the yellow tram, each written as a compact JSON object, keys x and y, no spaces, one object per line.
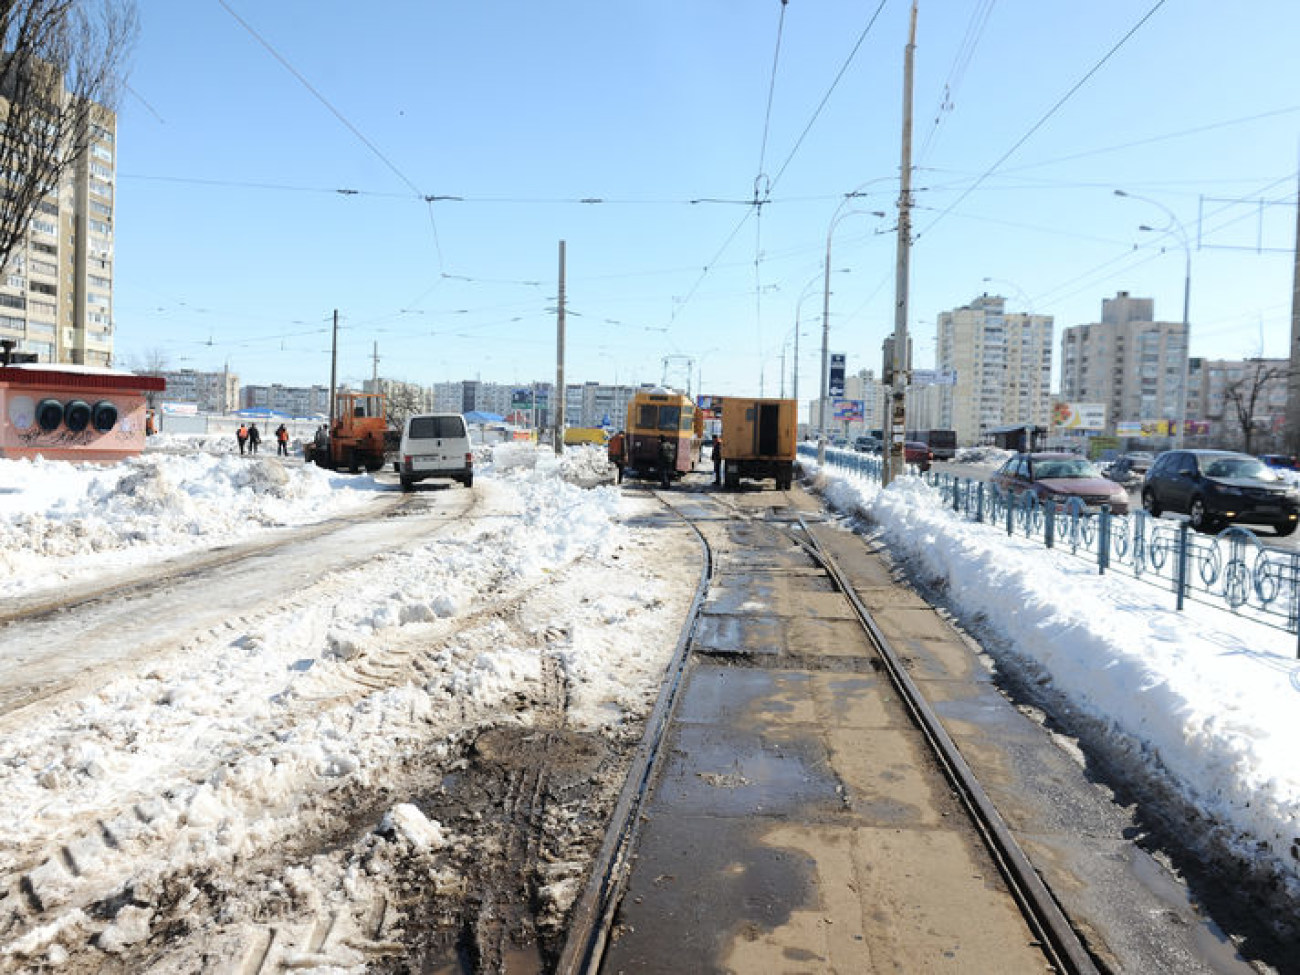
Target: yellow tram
{"x":653,"y":413}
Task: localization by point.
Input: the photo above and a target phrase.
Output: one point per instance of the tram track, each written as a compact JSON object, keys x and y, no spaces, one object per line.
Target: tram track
{"x":594,"y":919}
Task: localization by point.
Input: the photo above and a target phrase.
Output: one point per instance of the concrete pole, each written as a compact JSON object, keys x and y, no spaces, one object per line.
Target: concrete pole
{"x":896,"y":418}
{"x":334,"y":363}
{"x":559,"y":362}
{"x":1293,"y":366}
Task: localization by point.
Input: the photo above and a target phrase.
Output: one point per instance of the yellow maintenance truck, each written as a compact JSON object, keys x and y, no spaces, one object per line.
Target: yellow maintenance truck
{"x":758,"y":440}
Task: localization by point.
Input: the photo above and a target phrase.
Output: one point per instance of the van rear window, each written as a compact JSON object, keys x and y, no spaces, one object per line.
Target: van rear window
{"x":436,"y":427}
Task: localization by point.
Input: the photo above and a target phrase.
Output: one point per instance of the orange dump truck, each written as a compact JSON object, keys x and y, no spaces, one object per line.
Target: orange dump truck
{"x":758,"y":440}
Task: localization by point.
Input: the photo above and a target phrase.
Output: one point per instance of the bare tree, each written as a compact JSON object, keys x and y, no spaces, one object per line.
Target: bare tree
{"x":403,"y":401}
{"x":62,"y":63}
{"x":1243,"y":394}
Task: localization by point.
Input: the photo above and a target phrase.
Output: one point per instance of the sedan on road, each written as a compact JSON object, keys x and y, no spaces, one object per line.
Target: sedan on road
{"x":1217,"y":487}
{"x":1058,"y":477}
{"x":918,"y":453}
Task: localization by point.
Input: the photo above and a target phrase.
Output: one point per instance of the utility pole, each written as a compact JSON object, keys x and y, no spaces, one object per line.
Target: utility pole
{"x":896,"y":416}
{"x":374,"y":375}
{"x":559,"y":362}
{"x":334,"y":363}
{"x":1293,"y":366}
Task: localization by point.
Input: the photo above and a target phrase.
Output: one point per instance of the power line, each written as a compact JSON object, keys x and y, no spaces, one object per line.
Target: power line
{"x":829,"y":91}
{"x":974,"y":31}
{"x":1050,"y":112}
{"x":338,"y":115}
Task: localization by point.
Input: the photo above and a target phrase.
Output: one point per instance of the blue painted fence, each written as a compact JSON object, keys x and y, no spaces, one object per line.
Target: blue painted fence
{"x":1233,"y":570}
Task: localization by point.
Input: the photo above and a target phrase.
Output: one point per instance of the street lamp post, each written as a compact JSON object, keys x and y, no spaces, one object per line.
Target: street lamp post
{"x":1176,"y":224}
{"x":826,"y":315}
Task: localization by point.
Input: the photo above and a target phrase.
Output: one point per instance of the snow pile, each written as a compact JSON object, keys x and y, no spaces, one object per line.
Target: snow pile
{"x":1204,"y":699}
{"x":64,"y":520}
{"x":267,"y":729}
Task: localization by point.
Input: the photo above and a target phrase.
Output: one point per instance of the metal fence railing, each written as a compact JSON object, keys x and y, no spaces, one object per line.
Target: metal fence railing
{"x":1233,"y":571}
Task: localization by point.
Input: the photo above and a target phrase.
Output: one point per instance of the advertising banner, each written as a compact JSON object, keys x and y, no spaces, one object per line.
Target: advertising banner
{"x":710,"y":406}
{"x":835,"y":386}
{"x":849,"y":409}
{"x":934,"y":377}
{"x":1079,"y":416}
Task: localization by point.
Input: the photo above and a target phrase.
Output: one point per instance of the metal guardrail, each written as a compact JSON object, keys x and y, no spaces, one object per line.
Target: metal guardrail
{"x":1233,"y":571}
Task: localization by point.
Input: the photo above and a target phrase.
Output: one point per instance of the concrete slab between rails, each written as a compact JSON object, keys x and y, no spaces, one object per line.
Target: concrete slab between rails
{"x":775,"y":636}
{"x":792,"y":829}
{"x":928,"y":645}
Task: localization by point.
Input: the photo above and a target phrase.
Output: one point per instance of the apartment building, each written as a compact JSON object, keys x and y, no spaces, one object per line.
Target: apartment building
{"x":211,"y":392}
{"x":56,"y":296}
{"x":1230,"y":393}
{"x":1003,"y":363}
{"x":1128,"y":361}
{"x":294,"y":400}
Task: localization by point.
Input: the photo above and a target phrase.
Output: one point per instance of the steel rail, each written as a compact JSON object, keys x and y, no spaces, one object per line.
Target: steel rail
{"x":1060,"y":941}
{"x":593,"y":915}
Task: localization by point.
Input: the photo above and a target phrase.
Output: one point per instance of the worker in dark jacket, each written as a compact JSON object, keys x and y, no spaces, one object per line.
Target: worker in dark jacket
{"x":717,"y":460}
{"x":667,"y":460}
{"x":616,"y":452}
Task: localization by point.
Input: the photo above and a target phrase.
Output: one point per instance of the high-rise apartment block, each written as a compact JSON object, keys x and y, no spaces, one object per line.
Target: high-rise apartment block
{"x":210,"y":392}
{"x":56,"y":296}
{"x":1003,"y":364}
{"x":1127,"y":361}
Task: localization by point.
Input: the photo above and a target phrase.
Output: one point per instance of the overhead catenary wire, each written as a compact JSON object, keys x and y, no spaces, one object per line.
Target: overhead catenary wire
{"x":347,"y":123}
{"x":961,"y":61}
{"x":1060,"y":102}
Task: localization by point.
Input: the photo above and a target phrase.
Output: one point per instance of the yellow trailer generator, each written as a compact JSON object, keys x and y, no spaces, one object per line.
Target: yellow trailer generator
{"x":758,"y":440}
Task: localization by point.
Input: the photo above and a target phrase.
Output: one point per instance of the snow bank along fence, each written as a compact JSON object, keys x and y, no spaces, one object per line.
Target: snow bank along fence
{"x":1232,"y":571}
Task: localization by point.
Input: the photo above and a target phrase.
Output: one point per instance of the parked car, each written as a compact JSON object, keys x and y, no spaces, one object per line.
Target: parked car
{"x":1057,"y":477}
{"x":1130,"y":469}
{"x":918,"y":453}
{"x":1218,"y":487}
{"x":866,"y":445}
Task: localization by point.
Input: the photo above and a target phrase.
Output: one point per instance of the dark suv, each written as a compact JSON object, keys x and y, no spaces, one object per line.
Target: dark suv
{"x":1216,"y":487}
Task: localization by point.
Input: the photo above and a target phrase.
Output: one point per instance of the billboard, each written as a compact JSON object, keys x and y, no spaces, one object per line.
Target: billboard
{"x":835,"y":386}
{"x":1145,"y":428}
{"x":1079,"y":416}
{"x":849,"y":409}
{"x":934,"y":377}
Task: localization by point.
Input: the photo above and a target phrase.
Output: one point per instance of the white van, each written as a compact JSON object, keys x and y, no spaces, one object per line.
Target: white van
{"x":435,"y":445}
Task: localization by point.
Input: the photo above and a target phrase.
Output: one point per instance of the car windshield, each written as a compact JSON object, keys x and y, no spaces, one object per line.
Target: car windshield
{"x":1065,"y":467}
{"x":1240,"y":467}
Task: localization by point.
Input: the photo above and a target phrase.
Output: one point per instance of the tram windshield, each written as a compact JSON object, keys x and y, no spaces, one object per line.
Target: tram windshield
{"x":654,"y":417}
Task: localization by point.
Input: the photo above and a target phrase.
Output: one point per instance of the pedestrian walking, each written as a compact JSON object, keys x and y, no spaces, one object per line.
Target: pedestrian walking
{"x":717,"y":460}
{"x":242,"y":436}
{"x":282,"y":440}
{"x":254,"y":438}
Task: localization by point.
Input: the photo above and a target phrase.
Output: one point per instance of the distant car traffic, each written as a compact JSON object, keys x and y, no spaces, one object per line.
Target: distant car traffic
{"x":1130,"y":469}
{"x":920,"y":454}
{"x":867,"y":445}
{"x":1283,"y":462}
{"x":1058,"y":477}
{"x":1218,"y":487}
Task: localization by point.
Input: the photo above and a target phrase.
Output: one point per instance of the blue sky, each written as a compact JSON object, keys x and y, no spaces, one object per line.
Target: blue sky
{"x":244,"y":122}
